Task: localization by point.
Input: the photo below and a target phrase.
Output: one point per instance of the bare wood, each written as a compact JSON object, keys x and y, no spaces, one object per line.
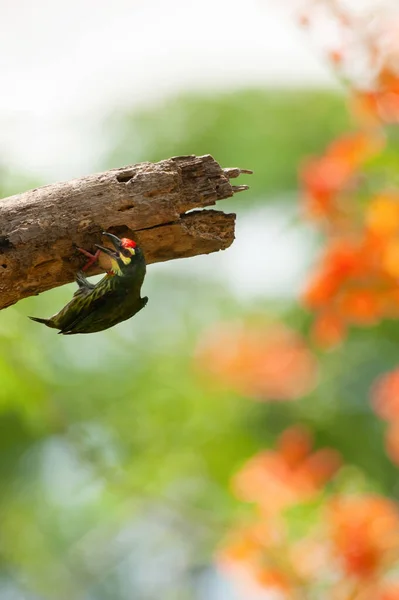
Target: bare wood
{"x":40,"y":229}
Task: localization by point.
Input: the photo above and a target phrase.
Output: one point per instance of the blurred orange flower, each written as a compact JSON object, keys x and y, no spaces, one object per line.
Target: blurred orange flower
{"x":350,"y":552}
{"x":328,"y":329}
{"x":365,"y":533}
{"x":287,"y":475}
{"x":389,"y":591}
{"x":366,"y":289}
{"x":336,"y":57}
{"x":385,"y":402}
{"x":272,"y":578}
{"x":247,"y":556}
{"x":310,"y":557}
{"x":245,"y":545}
{"x":265,"y":362}
{"x":324,"y":178}
{"x":382,"y":215}
{"x":374,"y":107}
{"x":385,"y":396}
{"x":343,"y":260}
{"x":360,"y":306}
{"x":387,"y":94}
{"x":257,"y":572}
{"x":357,"y":279}
{"x":261,"y":557}
{"x":390,"y":258}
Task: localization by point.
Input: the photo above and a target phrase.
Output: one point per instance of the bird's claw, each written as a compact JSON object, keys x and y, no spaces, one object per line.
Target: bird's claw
{"x":93,"y":258}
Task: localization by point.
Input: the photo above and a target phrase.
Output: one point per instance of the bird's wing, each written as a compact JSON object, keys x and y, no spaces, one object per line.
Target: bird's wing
{"x":83,"y":304}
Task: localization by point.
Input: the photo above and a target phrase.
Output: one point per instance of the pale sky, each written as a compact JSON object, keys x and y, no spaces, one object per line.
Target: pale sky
{"x":64,"y":65}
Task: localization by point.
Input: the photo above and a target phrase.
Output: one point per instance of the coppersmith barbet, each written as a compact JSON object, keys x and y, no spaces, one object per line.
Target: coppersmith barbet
{"x":117,"y":297}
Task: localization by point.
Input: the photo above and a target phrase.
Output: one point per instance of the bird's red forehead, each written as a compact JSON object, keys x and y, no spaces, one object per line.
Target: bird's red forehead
{"x":126,"y":243}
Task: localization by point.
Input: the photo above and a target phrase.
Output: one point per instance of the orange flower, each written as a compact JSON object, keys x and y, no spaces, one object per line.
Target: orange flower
{"x":294,"y":446}
{"x":365,"y":533}
{"x":268,"y":363}
{"x":244,"y":545}
{"x":310,"y":558}
{"x":361,"y":306}
{"x":245,"y":557}
{"x":324,"y":178}
{"x":388,"y":80}
{"x":364,"y":105}
{"x":379,"y":105}
{"x":388,"y":95}
{"x":385,"y":396}
{"x":336,"y":57}
{"x":389,"y":591}
{"x":272,"y":579}
{"x":343,"y":259}
{"x":382,"y":215}
{"x":390,"y":259}
{"x":321,"y":290}
{"x":328,"y":330}
{"x":388,"y":104}
{"x":321,"y":466}
{"x":357,"y":281}
{"x":356,"y":148}
{"x":276,"y":479}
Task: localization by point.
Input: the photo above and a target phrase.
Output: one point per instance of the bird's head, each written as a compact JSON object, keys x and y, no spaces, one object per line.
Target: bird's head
{"x":123,"y":256}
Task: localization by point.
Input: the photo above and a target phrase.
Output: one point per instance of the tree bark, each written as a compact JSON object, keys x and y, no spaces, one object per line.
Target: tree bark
{"x":41,"y":229}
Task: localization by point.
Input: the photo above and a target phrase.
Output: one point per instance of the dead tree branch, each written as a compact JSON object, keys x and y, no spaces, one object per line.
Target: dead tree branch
{"x":40,"y":229}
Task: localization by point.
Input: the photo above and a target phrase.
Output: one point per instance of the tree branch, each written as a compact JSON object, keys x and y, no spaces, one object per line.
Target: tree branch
{"x":40,"y":229}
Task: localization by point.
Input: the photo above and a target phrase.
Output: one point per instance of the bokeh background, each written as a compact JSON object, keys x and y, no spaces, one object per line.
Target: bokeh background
{"x":128,"y":457}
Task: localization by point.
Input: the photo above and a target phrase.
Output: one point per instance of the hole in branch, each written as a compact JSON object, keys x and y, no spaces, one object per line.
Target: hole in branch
{"x":5,"y":243}
{"x":124,"y":177}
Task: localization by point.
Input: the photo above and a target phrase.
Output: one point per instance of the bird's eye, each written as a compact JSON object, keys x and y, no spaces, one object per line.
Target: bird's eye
{"x":126,"y":252}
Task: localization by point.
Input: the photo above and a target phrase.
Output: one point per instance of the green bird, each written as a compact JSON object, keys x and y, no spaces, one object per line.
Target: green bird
{"x":112,"y":300}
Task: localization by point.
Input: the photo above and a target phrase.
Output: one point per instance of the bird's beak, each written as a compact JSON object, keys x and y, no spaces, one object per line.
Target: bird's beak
{"x":108,"y":251}
{"x":116,"y":242}
{"x":114,"y":239}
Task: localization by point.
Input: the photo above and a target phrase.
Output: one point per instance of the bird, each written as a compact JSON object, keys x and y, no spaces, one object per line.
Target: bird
{"x":116,"y":298}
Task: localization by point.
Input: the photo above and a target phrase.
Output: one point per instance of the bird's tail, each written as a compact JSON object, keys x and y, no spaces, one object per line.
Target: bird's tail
{"x":47,"y":322}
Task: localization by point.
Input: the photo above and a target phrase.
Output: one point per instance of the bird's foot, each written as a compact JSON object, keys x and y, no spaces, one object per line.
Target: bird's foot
{"x":93,"y":258}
